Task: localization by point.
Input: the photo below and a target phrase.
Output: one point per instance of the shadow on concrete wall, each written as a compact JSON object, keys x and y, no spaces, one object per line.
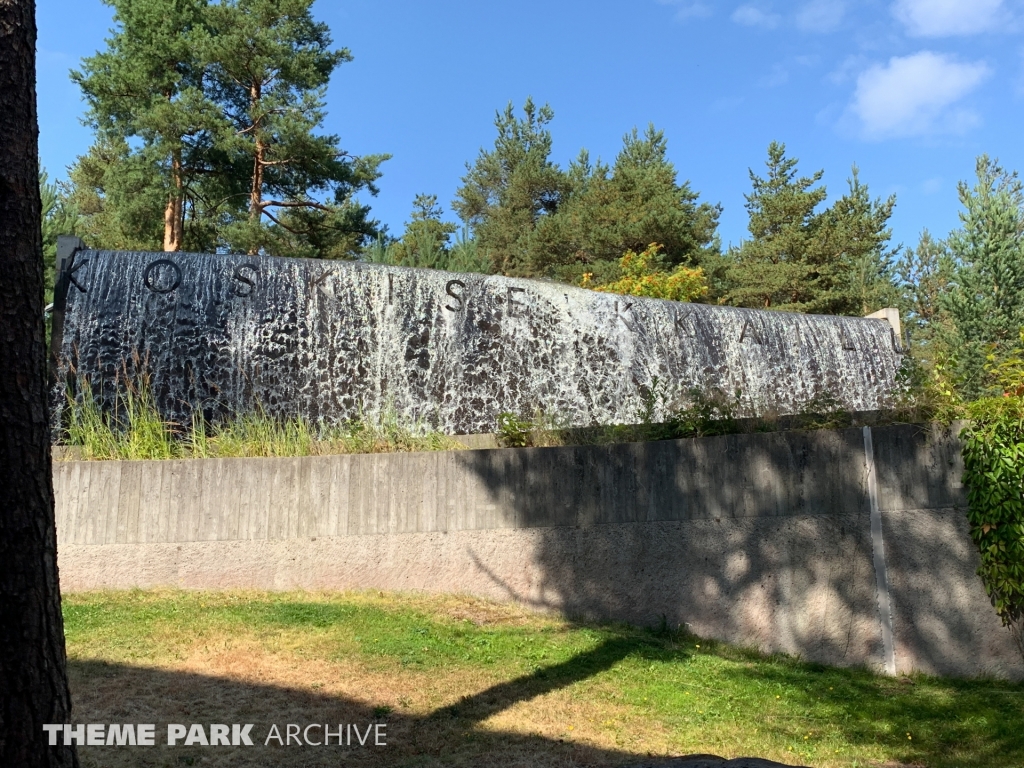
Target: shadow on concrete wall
{"x":760,"y":540}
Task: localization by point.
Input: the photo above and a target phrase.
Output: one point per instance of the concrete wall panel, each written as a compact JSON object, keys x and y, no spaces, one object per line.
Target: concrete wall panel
{"x":761,"y":539}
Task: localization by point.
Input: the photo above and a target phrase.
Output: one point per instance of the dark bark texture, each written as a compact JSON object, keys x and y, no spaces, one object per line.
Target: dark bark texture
{"x":33,"y":670}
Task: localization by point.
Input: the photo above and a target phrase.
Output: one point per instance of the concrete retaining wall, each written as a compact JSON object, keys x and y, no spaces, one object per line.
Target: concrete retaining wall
{"x":846,"y":547}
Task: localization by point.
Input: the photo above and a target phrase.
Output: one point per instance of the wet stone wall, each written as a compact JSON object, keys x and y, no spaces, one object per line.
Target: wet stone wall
{"x":222,"y":334}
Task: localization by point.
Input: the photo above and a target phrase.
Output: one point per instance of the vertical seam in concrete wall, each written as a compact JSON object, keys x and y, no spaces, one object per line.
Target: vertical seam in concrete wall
{"x":878,"y":555}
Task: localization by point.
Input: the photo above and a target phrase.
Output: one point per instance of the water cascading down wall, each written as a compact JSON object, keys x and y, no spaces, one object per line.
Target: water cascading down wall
{"x":223,"y":334}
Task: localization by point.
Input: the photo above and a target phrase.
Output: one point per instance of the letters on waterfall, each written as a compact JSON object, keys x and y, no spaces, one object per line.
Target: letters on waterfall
{"x":329,"y":340}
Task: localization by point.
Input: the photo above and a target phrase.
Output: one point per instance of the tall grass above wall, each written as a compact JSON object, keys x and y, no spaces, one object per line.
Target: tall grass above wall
{"x":135,"y":430}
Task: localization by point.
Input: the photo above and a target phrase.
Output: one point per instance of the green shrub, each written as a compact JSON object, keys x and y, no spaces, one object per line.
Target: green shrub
{"x":707,"y":414}
{"x":993,"y":451}
{"x":515,"y":432}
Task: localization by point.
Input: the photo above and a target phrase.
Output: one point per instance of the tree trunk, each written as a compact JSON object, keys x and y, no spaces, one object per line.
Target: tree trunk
{"x":33,"y":675}
{"x":259,"y":157}
{"x":174,"y":213}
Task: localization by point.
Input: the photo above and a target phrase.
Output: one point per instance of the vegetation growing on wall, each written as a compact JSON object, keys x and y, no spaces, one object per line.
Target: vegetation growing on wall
{"x":993,"y":450}
{"x":135,"y":430}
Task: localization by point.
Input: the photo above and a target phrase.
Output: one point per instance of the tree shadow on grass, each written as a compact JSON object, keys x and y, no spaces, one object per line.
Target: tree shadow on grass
{"x":951,"y":722}
{"x":117,"y":693}
{"x":918,"y":720}
{"x":480,"y":706}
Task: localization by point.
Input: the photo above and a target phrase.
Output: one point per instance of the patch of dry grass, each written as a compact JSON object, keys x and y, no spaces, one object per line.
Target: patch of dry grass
{"x":464,"y":682}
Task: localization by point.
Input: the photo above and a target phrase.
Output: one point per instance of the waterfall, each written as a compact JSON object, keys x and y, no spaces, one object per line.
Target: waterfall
{"x":334,"y":341}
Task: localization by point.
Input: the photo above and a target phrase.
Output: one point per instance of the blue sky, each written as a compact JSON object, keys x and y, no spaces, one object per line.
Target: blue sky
{"x":909,"y":90}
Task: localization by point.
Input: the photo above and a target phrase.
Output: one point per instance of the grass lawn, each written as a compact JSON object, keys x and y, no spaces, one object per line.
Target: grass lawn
{"x":459,"y":681}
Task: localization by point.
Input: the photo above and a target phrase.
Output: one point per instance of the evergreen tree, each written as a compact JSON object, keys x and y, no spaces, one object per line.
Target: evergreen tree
{"x":148,"y":85}
{"x":426,"y":240}
{"x":206,"y":119}
{"x":537,"y":220}
{"x":611,"y":211}
{"x":922,"y":276}
{"x":850,"y":249}
{"x":836,"y":261}
{"x":269,"y":63}
{"x":985,"y":298}
{"x":121,"y":195}
{"x":509,"y":189}
{"x":648,"y":205}
{"x":426,"y":243}
{"x":772,"y":269}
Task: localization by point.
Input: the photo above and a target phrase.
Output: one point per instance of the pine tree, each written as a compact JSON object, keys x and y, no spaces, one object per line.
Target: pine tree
{"x":649,"y":205}
{"x":836,"y":261}
{"x":608,"y":212}
{"x":148,"y":85}
{"x":772,"y":269}
{"x":121,"y":195}
{"x":537,"y":220}
{"x":426,"y":241}
{"x":922,"y":276}
{"x":269,"y":64}
{"x":985,"y":298}
{"x":206,"y":121}
{"x":509,"y":189}
{"x":850,"y":250}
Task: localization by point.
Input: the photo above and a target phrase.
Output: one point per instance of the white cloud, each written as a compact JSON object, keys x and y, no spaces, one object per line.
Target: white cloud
{"x":820,"y":15}
{"x":689,"y":9}
{"x":941,"y":18}
{"x":916,"y":95}
{"x":752,"y":16}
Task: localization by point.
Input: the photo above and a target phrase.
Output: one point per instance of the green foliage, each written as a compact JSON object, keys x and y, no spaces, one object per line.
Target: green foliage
{"x":923,"y":275}
{"x":466,"y":255}
{"x":513,"y":431}
{"x":659,"y":416}
{"x":1007,"y":371}
{"x":135,"y":430}
{"x":535,"y":220}
{"x":824,"y":411}
{"x":269,"y":63}
{"x":206,"y":119}
{"x":993,"y":451}
{"x":426,"y":243}
{"x":706,"y":414}
{"x":985,"y":295}
{"x":645,"y":274}
{"x":832,"y":262}
{"x":923,"y":392}
{"x":121,"y":196}
{"x":148,"y":87}
{"x":508,"y":189}
{"x":610,"y":211}
{"x":852,"y":240}
{"x":772,"y":268}
{"x":60,"y":217}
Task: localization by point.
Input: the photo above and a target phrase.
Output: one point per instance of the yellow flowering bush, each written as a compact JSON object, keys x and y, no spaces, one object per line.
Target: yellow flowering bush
{"x":642,"y":275}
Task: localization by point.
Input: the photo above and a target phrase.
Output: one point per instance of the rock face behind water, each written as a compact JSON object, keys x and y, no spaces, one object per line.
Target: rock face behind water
{"x":331,"y":340}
